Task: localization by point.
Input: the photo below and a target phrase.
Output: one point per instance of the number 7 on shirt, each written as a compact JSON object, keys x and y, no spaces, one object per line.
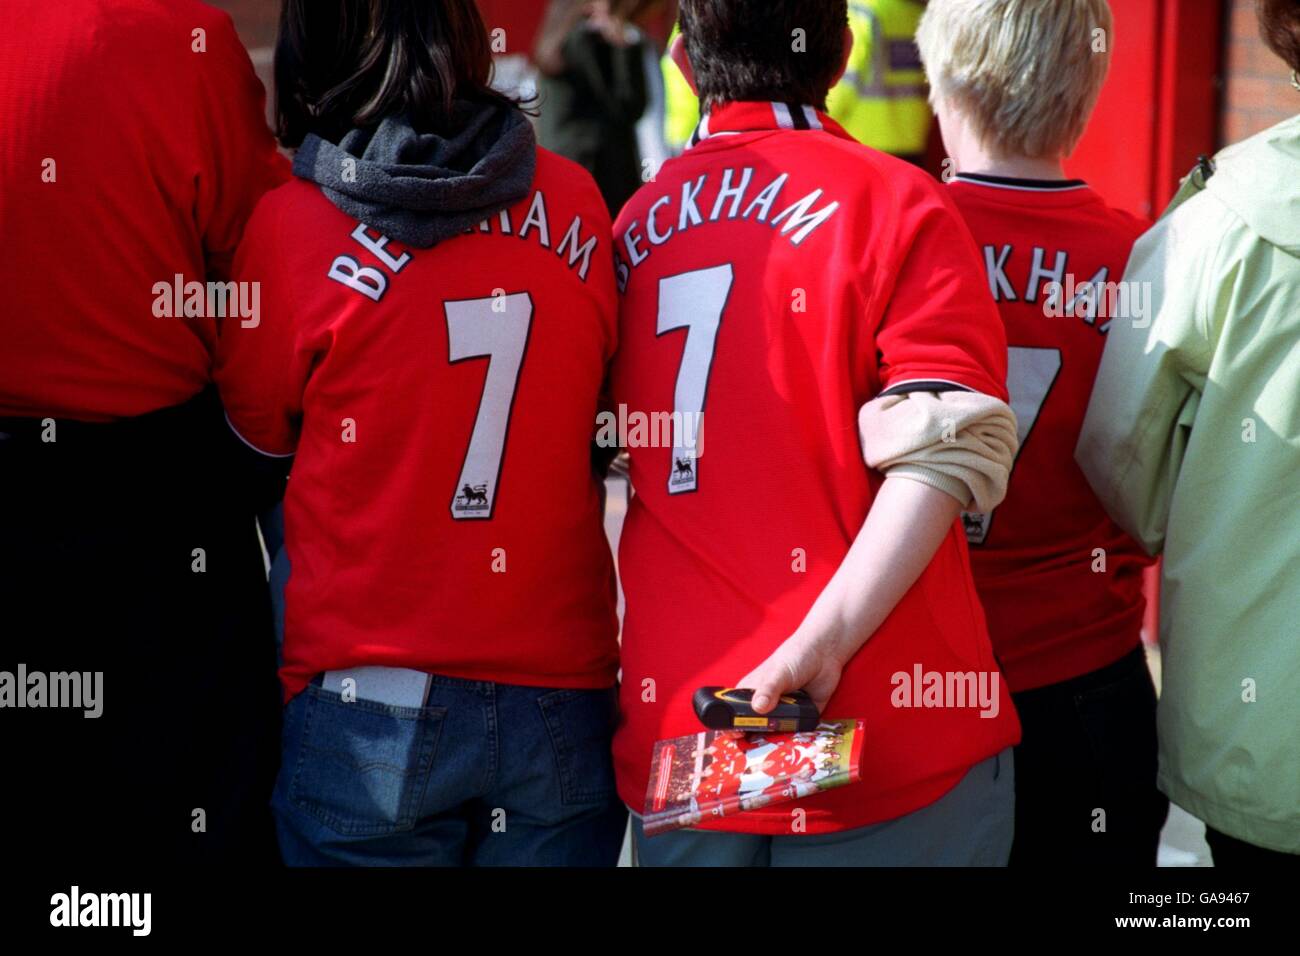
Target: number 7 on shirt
{"x":495,"y":328}
{"x":693,"y":301}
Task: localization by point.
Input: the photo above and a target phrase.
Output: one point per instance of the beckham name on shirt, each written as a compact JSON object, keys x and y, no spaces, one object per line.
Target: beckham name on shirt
{"x":372,"y":282}
{"x":796,"y":221}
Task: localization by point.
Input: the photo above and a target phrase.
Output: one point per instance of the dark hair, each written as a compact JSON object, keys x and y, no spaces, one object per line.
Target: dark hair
{"x":747,"y":49}
{"x":1279,"y":22}
{"x":347,"y":64}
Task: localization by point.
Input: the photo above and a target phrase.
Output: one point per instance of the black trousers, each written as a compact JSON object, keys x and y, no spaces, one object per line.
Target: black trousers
{"x":1086,"y":770}
{"x":130,"y":550}
{"x":1229,"y":853}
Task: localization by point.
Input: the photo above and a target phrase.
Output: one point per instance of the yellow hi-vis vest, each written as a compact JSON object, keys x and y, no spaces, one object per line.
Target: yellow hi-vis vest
{"x":881,"y":100}
{"x":681,"y":105}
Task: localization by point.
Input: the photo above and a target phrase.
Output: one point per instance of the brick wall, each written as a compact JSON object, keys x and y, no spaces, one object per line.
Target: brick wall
{"x":1257,"y":86}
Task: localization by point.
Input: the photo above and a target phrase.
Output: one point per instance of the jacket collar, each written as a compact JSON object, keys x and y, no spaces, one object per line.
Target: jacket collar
{"x":730,"y":119}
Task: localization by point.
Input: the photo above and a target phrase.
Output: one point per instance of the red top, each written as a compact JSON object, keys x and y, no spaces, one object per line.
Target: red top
{"x":129,"y":156}
{"x":779,"y":276}
{"x":1053,"y":613}
{"x":442,"y":512}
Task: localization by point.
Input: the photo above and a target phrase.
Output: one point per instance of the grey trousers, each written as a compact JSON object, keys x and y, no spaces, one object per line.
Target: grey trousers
{"x":971,"y":825}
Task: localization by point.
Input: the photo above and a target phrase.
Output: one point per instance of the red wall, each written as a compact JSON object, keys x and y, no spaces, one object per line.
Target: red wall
{"x":519,"y":18}
{"x":1159,"y":108}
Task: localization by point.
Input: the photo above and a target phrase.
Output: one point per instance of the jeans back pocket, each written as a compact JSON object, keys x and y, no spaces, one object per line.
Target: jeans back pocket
{"x":362,"y":767}
{"x":581,"y":725}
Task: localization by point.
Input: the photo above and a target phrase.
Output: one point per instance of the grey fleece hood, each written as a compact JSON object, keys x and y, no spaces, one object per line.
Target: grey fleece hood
{"x":423,"y":188}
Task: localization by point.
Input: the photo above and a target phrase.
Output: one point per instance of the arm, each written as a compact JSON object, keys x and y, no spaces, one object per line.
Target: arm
{"x":260,"y":369}
{"x":241,"y":160}
{"x":1152,"y":373}
{"x":903,"y":530}
{"x":557,"y":23}
{"x":940,"y":430}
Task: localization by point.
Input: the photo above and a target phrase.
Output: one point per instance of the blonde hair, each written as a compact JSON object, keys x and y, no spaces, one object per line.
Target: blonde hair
{"x":1025,"y":73}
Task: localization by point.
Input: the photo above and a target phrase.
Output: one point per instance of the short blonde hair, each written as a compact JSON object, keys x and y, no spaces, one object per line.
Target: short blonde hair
{"x":1025,"y":73}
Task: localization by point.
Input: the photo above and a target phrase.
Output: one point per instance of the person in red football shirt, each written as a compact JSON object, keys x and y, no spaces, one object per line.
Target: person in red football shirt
{"x":438,"y":310}
{"x":134,"y":148}
{"x":1060,"y":582}
{"x":808,"y":316}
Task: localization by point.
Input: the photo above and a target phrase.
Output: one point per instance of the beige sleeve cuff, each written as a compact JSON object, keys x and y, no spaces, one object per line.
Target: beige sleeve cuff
{"x":961,"y":443}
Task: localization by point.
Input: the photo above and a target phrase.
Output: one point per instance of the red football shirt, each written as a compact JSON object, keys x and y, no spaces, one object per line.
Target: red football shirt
{"x":778,"y":276}
{"x":442,"y":512}
{"x":1053,"y":612}
{"x":135,"y":147}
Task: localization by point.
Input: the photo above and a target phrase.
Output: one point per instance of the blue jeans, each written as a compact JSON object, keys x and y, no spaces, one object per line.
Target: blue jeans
{"x":970,"y":825}
{"x":483,"y":774}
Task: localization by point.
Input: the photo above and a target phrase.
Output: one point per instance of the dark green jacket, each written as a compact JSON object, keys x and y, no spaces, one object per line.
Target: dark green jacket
{"x":588,"y":113}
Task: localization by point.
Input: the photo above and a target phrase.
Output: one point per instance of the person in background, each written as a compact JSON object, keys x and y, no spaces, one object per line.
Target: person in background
{"x":1013,"y":84}
{"x":591,"y":84}
{"x":881,"y":101}
{"x":129,"y":547}
{"x":1192,"y":442}
{"x":438,"y":314}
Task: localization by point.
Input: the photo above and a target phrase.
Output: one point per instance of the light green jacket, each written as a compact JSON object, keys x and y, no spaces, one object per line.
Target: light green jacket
{"x":1192,"y":442}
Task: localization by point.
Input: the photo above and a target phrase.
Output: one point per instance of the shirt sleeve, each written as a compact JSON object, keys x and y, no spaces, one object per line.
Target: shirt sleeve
{"x":960,"y":442}
{"x":1153,"y":371}
{"x":261,"y":366}
{"x":240,"y":161}
{"x":940,"y":330}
